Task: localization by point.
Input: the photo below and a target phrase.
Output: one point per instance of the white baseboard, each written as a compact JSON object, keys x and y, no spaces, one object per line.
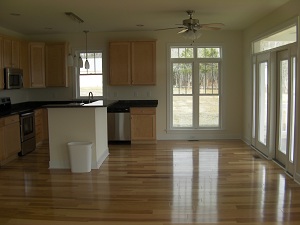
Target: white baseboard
{"x":101,"y":159}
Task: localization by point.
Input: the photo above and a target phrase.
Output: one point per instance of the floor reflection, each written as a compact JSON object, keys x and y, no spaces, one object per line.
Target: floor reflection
{"x":195,"y":182}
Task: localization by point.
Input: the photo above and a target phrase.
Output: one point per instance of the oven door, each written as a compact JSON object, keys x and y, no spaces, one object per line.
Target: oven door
{"x":27,"y":126}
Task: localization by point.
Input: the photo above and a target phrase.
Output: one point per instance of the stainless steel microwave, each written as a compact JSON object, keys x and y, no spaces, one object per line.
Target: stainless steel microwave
{"x":13,"y":78}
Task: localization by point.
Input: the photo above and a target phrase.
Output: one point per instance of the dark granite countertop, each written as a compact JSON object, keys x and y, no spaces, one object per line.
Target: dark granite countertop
{"x":125,"y":105}
{"x":112,"y":105}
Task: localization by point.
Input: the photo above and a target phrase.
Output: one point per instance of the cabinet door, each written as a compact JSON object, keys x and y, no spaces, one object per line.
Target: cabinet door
{"x":7,"y":52}
{"x":11,"y":53}
{"x":38,"y":121}
{"x":56,"y":66}
{"x":143,"y":125}
{"x":24,"y":63}
{"x":143,"y":62}
{"x":15,"y":57}
{"x":12,"y":144}
{"x":119,"y":63}
{"x":37,"y":64}
{"x":41,"y":125}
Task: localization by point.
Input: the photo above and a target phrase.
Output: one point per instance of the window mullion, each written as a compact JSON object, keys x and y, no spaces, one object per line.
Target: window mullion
{"x":196,"y":93}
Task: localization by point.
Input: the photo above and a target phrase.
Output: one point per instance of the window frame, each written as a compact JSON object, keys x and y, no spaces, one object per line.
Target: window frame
{"x":77,"y":76}
{"x":196,"y":91}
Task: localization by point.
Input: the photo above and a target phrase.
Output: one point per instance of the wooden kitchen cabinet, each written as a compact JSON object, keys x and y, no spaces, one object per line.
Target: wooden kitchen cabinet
{"x":132,"y":63}
{"x":41,"y":125}
{"x":11,"y":53}
{"x":37,"y":64}
{"x":10,"y":138}
{"x":143,"y":125}
{"x":24,"y":63}
{"x":56,"y":65}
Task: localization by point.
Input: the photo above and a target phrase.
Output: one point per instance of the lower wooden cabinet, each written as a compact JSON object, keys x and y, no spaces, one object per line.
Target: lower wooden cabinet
{"x":41,"y":125}
{"x":143,"y":125}
{"x":10,"y":138}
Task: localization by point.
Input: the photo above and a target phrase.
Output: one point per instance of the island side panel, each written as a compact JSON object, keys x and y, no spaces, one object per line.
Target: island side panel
{"x":102,"y":150}
{"x":67,"y":125}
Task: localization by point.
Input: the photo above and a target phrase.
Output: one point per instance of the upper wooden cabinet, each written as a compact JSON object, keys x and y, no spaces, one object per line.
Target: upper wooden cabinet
{"x":11,"y":53}
{"x":37,"y":64}
{"x":24,"y":63}
{"x":132,"y":63}
{"x":56,"y":65}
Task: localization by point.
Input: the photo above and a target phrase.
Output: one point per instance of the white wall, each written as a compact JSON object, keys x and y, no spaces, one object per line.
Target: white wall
{"x":231,"y":77}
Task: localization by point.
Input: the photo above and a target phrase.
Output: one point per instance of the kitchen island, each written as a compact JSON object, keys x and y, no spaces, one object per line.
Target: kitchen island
{"x":77,"y":122}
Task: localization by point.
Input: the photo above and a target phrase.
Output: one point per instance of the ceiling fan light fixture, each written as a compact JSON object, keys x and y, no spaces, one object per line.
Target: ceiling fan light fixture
{"x":192,"y":34}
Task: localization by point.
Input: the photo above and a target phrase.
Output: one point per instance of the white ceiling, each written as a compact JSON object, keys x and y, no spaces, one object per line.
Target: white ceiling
{"x":47,"y":16}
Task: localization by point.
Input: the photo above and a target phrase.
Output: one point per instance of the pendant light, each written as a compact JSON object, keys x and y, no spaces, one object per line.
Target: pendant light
{"x":70,"y":60}
{"x":86,"y":64}
{"x":80,"y":62}
{"x":75,"y":61}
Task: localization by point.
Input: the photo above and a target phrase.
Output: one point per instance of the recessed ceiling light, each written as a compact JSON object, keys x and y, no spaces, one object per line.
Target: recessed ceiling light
{"x":140,"y":25}
{"x":48,"y":28}
{"x":15,"y":14}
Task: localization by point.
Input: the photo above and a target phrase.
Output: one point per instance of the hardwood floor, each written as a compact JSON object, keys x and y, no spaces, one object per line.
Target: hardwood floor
{"x":171,"y":182}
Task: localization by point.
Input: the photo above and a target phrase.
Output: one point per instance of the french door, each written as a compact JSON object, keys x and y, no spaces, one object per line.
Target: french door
{"x":274,"y":103}
{"x":286,"y":101}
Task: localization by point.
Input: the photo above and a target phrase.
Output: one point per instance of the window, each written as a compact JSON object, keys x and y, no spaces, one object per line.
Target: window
{"x":90,"y":80}
{"x":195,"y":87}
{"x":280,"y":38}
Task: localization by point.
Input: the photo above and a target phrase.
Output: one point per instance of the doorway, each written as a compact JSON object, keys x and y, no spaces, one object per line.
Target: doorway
{"x":274,"y":100}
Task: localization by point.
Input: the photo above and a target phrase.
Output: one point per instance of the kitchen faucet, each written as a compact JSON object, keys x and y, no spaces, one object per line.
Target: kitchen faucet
{"x":91,"y":96}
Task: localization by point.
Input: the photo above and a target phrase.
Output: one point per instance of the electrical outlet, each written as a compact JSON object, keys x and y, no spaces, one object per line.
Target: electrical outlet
{"x":135,"y":94}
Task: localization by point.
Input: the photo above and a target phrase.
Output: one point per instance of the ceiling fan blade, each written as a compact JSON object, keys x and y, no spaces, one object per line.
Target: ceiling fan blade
{"x":210,"y":28}
{"x":182,"y":31}
{"x":170,"y":28}
{"x":219,"y":25}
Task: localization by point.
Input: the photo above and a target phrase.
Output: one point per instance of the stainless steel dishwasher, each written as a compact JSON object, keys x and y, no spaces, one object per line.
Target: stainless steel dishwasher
{"x":118,"y":124}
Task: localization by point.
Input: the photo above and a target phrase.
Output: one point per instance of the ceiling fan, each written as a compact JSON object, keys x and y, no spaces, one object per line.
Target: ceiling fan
{"x":191,"y":27}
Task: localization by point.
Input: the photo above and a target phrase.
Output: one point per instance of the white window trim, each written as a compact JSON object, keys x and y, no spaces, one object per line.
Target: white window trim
{"x":170,"y":129}
{"x":77,"y":73}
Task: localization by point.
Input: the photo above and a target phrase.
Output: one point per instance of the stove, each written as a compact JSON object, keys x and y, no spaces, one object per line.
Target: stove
{"x":5,"y":106}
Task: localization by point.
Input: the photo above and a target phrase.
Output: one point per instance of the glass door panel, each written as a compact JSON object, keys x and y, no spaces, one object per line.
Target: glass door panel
{"x":263,"y":103}
{"x":292,"y":109}
{"x":283,"y":105}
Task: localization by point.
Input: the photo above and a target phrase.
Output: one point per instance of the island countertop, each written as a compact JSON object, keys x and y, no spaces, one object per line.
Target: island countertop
{"x":98,"y":103}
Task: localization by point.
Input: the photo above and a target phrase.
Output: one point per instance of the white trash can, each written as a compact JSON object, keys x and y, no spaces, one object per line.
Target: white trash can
{"x":80,"y":154}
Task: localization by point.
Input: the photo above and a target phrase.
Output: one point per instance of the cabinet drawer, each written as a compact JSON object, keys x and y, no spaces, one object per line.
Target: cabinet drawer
{"x":143,"y":110}
{"x":11,"y":119}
